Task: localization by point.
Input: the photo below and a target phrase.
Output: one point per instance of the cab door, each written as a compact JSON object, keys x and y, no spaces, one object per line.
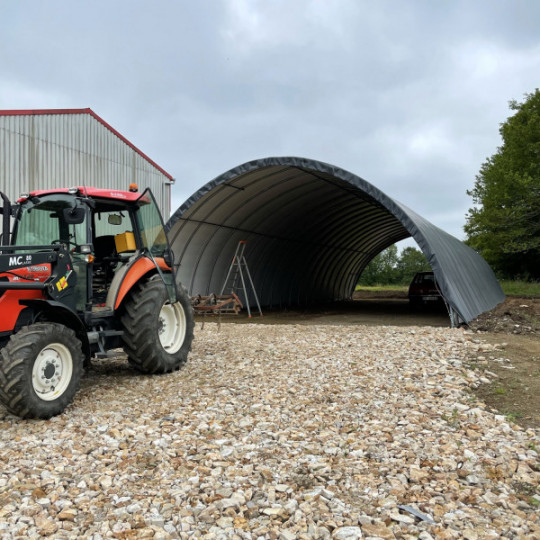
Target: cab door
{"x":75,"y":229}
{"x":154,"y":239}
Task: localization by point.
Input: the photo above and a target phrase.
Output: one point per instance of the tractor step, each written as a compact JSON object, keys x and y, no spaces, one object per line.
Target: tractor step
{"x":108,"y":354}
{"x":96,"y":335}
{"x":100,"y":337}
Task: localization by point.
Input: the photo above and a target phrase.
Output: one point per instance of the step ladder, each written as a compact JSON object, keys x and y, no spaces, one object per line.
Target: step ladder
{"x":236,"y":274}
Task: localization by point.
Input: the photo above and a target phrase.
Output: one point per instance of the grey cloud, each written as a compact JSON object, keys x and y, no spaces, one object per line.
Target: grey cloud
{"x":407,"y":95}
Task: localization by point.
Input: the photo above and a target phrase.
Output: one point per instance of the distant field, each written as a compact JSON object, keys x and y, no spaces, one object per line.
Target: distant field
{"x":382,"y":288}
{"x":520,"y":288}
{"x":510,"y":288}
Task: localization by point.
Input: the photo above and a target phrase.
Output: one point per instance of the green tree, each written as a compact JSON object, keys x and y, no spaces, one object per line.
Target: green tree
{"x":410,"y":262}
{"x":382,"y":269}
{"x":504,"y":224}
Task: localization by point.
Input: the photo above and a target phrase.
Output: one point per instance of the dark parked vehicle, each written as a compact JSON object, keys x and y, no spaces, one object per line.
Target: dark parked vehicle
{"x":423,"y":290}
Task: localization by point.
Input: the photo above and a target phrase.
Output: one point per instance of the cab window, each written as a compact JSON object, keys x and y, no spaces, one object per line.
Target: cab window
{"x":43,"y":223}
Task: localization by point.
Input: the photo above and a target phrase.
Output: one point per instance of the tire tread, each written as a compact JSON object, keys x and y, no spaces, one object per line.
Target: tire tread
{"x":141,"y":341}
{"x":16,"y":361}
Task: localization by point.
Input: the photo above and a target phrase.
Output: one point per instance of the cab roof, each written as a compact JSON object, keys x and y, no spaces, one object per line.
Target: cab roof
{"x":111,"y":194}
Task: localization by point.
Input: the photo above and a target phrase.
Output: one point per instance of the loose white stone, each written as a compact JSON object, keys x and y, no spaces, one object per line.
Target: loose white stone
{"x":347,"y":533}
{"x":401,"y":518}
{"x":275,"y":430}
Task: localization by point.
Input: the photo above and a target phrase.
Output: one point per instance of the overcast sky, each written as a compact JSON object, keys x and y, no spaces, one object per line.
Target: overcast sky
{"x":407,"y":95}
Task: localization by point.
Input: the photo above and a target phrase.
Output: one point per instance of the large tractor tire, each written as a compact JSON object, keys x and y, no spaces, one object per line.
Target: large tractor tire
{"x":40,"y":370}
{"x":157,"y":334}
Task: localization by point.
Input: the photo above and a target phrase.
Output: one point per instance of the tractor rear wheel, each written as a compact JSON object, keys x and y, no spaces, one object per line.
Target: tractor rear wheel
{"x":157,"y":334}
{"x":40,"y":370}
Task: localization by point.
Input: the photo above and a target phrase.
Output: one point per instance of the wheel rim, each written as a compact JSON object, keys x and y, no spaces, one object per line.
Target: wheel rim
{"x":52,"y":371}
{"x":172,"y":327}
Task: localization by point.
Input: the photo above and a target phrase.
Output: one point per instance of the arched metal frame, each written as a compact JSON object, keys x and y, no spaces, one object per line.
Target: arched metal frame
{"x":311,"y":230}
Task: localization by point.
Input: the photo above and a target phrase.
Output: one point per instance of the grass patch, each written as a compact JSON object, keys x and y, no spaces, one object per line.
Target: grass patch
{"x":521,"y":288}
{"x":510,"y":288}
{"x":380,"y":288}
{"x":513,"y":416}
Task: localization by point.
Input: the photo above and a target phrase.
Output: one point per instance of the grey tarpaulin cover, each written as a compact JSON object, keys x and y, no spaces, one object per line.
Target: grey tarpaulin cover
{"x":311,"y":229}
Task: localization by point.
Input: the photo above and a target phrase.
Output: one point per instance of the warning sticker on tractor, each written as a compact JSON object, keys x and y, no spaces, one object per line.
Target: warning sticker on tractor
{"x":61,"y":284}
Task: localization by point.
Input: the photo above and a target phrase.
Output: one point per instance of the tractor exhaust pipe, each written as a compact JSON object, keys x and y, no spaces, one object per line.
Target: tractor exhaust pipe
{"x":6,"y":221}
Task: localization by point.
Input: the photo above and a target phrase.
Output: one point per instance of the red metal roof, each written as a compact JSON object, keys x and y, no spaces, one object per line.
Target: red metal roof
{"x":30,"y":112}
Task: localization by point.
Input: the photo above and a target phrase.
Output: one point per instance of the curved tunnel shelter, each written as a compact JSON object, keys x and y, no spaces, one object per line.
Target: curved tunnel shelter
{"x":311,"y":228}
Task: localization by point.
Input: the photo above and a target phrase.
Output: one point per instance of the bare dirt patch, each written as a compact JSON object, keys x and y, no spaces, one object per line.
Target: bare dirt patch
{"x":516,"y":315}
{"x":513,"y":369}
{"x":514,"y":373}
{"x":388,"y":310}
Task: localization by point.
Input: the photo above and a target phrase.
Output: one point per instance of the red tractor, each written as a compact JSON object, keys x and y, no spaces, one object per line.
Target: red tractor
{"x":84,"y":271}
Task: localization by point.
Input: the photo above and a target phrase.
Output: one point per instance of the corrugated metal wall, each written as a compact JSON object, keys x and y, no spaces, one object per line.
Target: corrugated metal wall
{"x":44,"y":151}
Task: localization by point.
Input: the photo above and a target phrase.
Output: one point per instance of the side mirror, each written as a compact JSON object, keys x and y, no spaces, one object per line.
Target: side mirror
{"x":114,"y":219}
{"x":74,"y":216}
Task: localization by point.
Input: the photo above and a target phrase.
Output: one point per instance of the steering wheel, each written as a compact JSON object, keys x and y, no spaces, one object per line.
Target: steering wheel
{"x":67,"y":242}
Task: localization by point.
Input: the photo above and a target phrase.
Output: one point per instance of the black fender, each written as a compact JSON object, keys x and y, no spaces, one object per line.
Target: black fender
{"x":52,"y":311}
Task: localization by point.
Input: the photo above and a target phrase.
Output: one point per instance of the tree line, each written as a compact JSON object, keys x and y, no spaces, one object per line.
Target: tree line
{"x":504,"y":223}
{"x":392,"y":268}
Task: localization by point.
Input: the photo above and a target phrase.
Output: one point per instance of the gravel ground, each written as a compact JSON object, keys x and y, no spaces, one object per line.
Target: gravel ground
{"x":278,"y":432}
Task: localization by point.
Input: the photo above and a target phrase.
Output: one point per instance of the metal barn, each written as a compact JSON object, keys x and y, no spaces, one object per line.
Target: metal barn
{"x":311,"y":228}
{"x":43,"y":149}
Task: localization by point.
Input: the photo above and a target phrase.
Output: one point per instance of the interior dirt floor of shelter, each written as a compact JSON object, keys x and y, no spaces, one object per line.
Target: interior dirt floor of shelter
{"x":365,"y":309}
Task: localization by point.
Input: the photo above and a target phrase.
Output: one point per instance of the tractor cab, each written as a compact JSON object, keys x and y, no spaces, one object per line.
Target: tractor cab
{"x":103,"y":231}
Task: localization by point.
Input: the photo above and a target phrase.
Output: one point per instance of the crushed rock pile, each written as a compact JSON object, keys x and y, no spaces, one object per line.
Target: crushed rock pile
{"x":278,"y":432}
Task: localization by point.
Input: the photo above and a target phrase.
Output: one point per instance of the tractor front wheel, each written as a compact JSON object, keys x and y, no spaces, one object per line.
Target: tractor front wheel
{"x":40,"y":370}
{"x":157,"y":334}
